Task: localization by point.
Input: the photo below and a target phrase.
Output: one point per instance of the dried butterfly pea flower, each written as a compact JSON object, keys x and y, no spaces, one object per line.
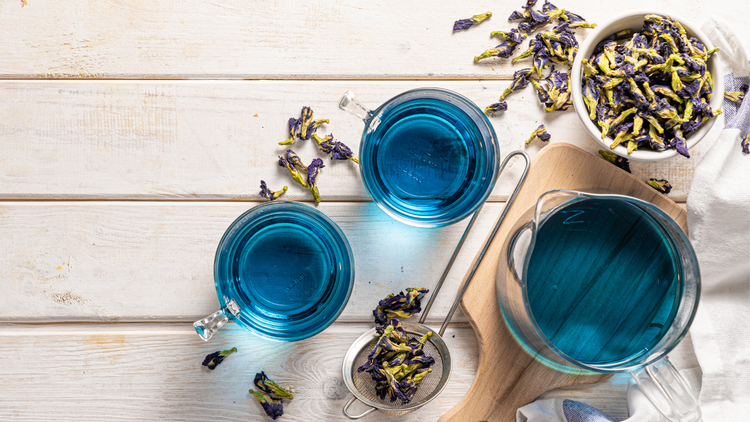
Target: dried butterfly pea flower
{"x":520,"y":82}
{"x":313,"y":170}
{"x":294,"y":125}
{"x":661,"y":185}
{"x":212,"y":360}
{"x":745,"y":144}
{"x":493,"y":108}
{"x":395,"y":362}
{"x":504,"y":50}
{"x":289,"y":162}
{"x":268,"y":193}
{"x":271,"y":406}
{"x":337,"y":149}
{"x":667,"y":83}
{"x":400,"y":305}
{"x":262,"y":383}
{"x":615,"y":159}
{"x":541,"y":133}
{"x":468,"y":23}
{"x":513,"y":35}
{"x":734,"y":96}
{"x":304,"y":127}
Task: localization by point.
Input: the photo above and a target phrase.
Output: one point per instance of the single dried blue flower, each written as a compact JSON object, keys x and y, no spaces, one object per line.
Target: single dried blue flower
{"x":680,"y":143}
{"x":517,"y":16}
{"x":400,"y":305}
{"x":693,"y":124}
{"x":734,"y":96}
{"x":273,"y":408}
{"x":540,"y":62}
{"x":268,"y":193}
{"x":513,"y":35}
{"x":304,"y":127}
{"x":313,"y":170}
{"x":337,"y":149}
{"x":306,"y":120}
{"x":541,"y":133}
{"x":296,"y":175}
{"x":745,"y":144}
{"x":468,"y":23}
{"x":212,"y":360}
{"x":492,"y":108}
{"x":294,"y":125}
{"x":517,"y":84}
{"x":615,"y":159}
{"x":262,"y":383}
{"x":661,"y":185}
{"x":504,"y":50}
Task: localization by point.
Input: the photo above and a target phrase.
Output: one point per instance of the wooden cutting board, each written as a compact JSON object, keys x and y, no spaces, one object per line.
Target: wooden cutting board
{"x":508,"y":377}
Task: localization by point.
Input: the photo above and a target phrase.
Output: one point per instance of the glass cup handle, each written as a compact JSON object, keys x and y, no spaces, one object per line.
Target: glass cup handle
{"x":668,"y":391}
{"x":209,"y":325}
{"x":351,"y":104}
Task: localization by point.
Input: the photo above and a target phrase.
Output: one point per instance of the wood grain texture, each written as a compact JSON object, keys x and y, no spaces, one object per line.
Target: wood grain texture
{"x":508,"y":377}
{"x":148,"y":372}
{"x":146,"y":261}
{"x":192,"y":140}
{"x":285,"y":39}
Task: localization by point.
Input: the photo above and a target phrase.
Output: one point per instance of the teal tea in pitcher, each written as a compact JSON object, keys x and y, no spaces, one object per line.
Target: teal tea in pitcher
{"x":602,"y":281}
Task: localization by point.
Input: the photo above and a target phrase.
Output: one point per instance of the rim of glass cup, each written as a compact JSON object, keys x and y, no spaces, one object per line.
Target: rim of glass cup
{"x":319,"y":218}
{"x":466,"y":106}
{"x":616,"y":367}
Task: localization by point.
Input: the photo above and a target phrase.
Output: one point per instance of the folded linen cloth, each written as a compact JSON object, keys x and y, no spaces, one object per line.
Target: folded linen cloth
{"x":719,"y":224}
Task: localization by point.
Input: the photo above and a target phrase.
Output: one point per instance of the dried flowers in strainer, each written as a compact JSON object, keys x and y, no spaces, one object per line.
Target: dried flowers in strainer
{"x":400,"y":305}
{"x":397,"y":363}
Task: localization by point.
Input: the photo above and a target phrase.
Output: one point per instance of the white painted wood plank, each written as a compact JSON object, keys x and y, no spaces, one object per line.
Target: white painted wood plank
{"x":288,"y":39}
{"x":153,"y":372}
{"x":202,"y":140}
{"x":145,"y":261}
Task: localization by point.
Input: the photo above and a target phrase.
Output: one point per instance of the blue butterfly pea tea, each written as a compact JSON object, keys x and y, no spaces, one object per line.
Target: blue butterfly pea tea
{"x":428,"y":157}
{"x":283,"y":270}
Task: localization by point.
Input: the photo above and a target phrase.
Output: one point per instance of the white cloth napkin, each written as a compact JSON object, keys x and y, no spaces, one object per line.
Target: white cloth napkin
{"x":719,"y":224}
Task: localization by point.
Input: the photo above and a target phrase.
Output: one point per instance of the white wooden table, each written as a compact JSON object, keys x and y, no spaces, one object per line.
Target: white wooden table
{"x":133,"y":132}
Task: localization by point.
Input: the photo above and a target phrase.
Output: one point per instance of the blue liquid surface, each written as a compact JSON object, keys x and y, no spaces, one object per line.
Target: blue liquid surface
{"x":288,"y":267}
{"x":428,"y":160}
{"x":283,"y":271}
{"x":602,"y":281}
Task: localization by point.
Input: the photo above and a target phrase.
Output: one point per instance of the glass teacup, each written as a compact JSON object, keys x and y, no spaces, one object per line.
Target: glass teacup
{"x":283,"y":270}
{"x":428,"y":157}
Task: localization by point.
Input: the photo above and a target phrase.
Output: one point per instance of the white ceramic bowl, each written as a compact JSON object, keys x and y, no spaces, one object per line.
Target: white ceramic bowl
{"x":634,"y":21}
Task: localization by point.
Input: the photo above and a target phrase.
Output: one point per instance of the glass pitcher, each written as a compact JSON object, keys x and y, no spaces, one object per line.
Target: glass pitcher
{"x":603,"y":283}
{"x":428,"y":157}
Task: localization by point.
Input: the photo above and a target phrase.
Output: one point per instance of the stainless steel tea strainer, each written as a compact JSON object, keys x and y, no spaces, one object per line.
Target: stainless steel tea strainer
{"x":361,"y":385}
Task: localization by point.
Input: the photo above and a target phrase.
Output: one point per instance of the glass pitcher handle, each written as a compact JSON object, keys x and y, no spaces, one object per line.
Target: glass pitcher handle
{"x":209,"y":325}
{"x":668,"y":391}
{"x":351,"y":104}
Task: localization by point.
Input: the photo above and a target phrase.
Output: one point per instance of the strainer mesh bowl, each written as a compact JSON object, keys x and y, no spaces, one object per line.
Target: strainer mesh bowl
{"x":364,"y":386}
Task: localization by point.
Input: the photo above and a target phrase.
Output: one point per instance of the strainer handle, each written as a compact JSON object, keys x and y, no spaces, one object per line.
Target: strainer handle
{"x":486,"y":245}
{"x":350,"y":416}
